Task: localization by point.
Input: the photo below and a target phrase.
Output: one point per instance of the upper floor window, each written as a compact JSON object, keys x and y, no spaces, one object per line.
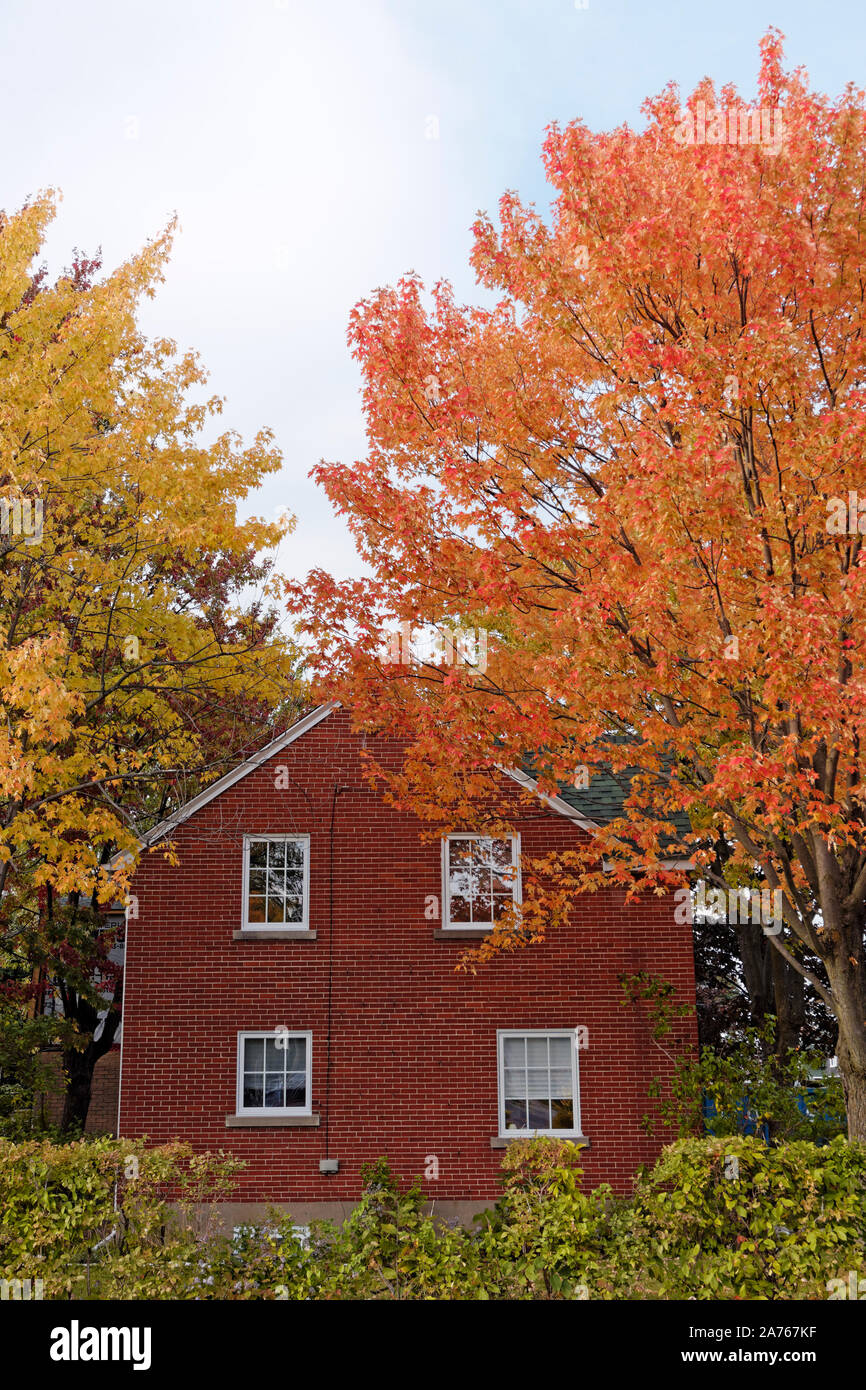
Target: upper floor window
{"x":276,"y":882}
{"x":538,"y":1082}
{"x":481,"y":879}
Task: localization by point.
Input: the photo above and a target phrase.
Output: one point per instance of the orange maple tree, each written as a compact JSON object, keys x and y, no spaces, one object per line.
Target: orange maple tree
{"x":638,"y":475}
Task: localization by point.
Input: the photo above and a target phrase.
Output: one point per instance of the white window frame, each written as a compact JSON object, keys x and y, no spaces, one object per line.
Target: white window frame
{"x":516,"y":889}
{"x":287,"y":927}
{"x":266,"y":1110}
{"x":502,"y":1034}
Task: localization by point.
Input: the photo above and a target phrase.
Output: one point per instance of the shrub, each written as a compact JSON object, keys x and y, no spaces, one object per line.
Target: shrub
{"x":714,"y":1219}
{"x":390,"y":1247}
{"x":545,"y":1238}
{"x":92,"y":1218}
{"x":736,"y":1218}
{"x":750,"y":1089}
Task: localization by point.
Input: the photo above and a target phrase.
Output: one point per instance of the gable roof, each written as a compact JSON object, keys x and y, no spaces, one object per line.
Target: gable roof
{"x":560,"y":804}
{"x":216,"y":789}
{"x":605,"y":797}
{"x":589,"y":808}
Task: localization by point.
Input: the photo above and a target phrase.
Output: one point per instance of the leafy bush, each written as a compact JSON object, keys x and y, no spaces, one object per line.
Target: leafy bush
{"x":750,"y":1089}
{"x":715,"y":1218}
{"x":746,"y":1086}
{"x":269,"y":1261}
{"x":736,"y":1218}
{"x":390,"y":1248}
{"x":546,"y":1238}
{"x":91,"y":1218}
{"x":25,"y":1074}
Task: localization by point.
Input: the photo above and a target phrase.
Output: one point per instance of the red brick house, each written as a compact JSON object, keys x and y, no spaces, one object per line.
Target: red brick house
{"x":291,"y":994}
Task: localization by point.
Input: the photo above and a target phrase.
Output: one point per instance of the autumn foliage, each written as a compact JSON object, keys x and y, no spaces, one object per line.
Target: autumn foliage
{"x":627,"y":471}
{"x":122,"y":563}
{"x":139,"y":651}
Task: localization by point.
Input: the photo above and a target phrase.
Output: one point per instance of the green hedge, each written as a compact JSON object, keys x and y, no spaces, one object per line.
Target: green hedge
{"x":90,"y":1218}
{"x":736,"y":1218}
{"x":715,"y":1218}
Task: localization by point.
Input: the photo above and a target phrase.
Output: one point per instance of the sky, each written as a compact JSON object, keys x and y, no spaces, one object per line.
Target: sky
{"x":314,"y":150}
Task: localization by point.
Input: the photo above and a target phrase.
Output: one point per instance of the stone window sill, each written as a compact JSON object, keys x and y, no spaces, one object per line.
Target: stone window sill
{"x":458,"y":933}
{"x":272,"y":1121}
{"x":278,"y":935}
{"x":501,"y":1141}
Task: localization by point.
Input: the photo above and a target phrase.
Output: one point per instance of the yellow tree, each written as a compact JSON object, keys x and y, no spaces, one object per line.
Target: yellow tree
{"x":130,"y":647}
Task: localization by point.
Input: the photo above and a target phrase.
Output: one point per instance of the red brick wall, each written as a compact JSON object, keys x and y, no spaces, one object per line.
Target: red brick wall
{"x":413,"y":1044}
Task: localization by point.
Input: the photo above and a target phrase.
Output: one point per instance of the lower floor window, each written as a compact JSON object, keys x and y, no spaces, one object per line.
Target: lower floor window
{"x":538,"y":1082}
{"x":274,"y":1073}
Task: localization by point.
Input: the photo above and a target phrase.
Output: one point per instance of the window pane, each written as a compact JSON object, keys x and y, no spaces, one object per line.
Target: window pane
{"x":501,"y":855}
{"x":296,"y":1054}
{"x":258,"y":854}
{"x":539,"y":1114}
{"x":296,"y":1088}
{"x":515,"y":1084}
{"x":482,"y":903}
{"x":460,"y":853}
{"x":560,"y":1081}
{"x":469,"y":882}
{"x":459,"y":906}
{"x":515,"y":1114}
{"x":294,"y":909}
{"x":275,"y":1072}
{"x":538,"y":1083}
{"x":276,"y":882}
{"x":257,"y":910}
{"x":276,"y":853}
{"x":276,"y":910}
{"x":274,"y":1092}
{"x":294,"y":884}
{"x":563,"y":1114}
{"x":257,"y":880}
{"x":295,"y":855}
{"x":483,"y":881}
{"x":253,"y":1094}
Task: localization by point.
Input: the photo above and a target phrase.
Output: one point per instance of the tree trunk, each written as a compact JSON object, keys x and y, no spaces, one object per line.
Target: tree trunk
{"x":789,"y":990}
{"x":79,"y":1064}
{"x":854,"y":1085}
{"x":78,"y":1067}
{"x":846,"y":983}
{"x":773,"y":987}
{"x":757,"y":973}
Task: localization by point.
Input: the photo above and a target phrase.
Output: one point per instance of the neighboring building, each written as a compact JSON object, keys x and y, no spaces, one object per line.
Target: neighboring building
{"x":291,"y":997}
{"x":102,"y":1114}
{"x":48,"y":1105}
